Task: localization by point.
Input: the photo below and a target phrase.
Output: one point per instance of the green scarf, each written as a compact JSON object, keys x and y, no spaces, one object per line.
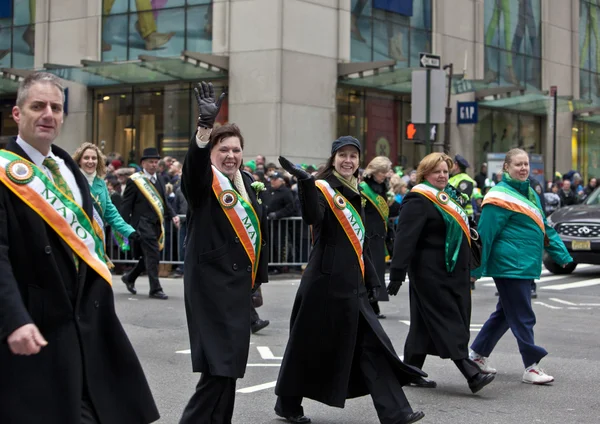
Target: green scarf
{"x":351,"y":183}
{"x":523,"y":187}
{"x":454,"y":232}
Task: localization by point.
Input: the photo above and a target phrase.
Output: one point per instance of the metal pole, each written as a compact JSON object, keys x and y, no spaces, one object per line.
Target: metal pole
{"x":428,"y":110}
{"x":554,"y":106}
{"x":448,"y":110}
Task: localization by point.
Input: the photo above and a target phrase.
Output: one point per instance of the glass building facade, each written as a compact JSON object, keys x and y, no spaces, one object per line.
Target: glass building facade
{"x":17,"y":33}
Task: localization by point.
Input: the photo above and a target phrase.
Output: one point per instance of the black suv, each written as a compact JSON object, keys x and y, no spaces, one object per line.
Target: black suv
{"x":579,"y":229}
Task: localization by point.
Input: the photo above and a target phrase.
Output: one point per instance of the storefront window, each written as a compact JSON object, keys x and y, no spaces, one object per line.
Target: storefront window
{"x":17,"y":33}
{"x":131,"y":28}
{"x":513,"y":42}
{"x":499,"y":131}
{"x":587,"y":139}
{"x":589,"y":51}
{"x":129,"y":120}
{"x":379,"y":121}
{"x":383,"y":30}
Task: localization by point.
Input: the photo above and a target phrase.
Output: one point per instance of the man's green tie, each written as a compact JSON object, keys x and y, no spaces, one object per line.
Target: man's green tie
{"x":62,"y":185}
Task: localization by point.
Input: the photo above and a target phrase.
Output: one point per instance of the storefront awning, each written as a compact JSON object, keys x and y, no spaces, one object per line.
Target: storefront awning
{"x":190,"y":66}
{"x":590,"y":114}
{"x":516,"y":99}
{"x":383,"y":75}
{"x":10,"y":78}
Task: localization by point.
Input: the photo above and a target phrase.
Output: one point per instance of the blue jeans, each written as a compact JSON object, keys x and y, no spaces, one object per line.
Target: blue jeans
{"x":512,"y":311}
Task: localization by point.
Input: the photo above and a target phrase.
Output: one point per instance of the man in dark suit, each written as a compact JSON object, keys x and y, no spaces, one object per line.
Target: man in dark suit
{"x":145,"y":209}
{"x":64,"y":356}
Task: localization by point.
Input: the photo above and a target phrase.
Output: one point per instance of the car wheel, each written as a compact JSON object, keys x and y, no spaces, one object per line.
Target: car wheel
{"x":555,"y":268}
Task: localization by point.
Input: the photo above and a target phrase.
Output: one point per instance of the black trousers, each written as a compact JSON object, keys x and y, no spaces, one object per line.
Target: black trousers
{"x":148,"y":255}
{"x":212,"y":403}
{"x":467,"y":367}
{"x":385,"y":389}
{"x":88,"y":414}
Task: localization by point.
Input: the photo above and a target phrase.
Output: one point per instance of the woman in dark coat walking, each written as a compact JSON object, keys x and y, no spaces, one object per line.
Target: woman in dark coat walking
{"x":432,"y":244}
{"x":224,"y":261}
{"x":374,"y":189}
{"x":337,"y":349}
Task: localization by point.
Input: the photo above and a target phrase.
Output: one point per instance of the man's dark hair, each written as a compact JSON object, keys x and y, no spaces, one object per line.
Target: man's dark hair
{"x":223,"y":132}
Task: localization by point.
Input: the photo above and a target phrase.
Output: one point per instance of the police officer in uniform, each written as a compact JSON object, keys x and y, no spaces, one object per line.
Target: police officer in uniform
{"x":461,"y":180}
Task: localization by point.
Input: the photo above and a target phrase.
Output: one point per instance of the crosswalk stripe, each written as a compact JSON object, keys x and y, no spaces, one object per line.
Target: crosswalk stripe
{"x":575,"y":285}
{"x":258,"y":387}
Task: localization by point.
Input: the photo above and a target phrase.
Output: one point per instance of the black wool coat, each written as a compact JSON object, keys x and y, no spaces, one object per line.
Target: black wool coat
{"x":440,"y":301}
{"x":218,"y":273}
{"x":319,"y":360}
{"x":75,"y":313}
{"x":376,"y":234}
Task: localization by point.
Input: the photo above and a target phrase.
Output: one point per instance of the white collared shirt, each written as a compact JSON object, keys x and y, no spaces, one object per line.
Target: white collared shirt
{"x":150,"y":176}
{"x":38,"y":158}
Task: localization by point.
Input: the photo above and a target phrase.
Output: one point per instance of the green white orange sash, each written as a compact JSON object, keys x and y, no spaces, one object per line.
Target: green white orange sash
{"x":377,"y":201}
{"x":241,"y":215}
{"x":142,"y":182}
{"x":447,"y":204}
{"x":34,"y":188}
{"x":348,"y":218}
{"x":514,"y":201}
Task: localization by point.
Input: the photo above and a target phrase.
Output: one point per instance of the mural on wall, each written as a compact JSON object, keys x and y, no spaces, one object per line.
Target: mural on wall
{"x":390,"y":29}
{"x":155,"y":27}
{"x":589,"y":42}
{"x":513,"y":42}
{"x":17,"y":33}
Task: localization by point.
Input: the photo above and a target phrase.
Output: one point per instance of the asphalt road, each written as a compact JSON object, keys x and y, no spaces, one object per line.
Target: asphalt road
{"x":567,"y":326}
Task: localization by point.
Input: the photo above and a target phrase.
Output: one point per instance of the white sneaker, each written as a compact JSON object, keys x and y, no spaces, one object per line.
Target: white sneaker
{"x":535,"y":375}
{"x":482,"y":362}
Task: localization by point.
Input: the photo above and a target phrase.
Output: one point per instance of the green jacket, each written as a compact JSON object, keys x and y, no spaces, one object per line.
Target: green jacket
{"x":466,"y":185}
{"x":109,"y":213}
{"x":512,"y":242}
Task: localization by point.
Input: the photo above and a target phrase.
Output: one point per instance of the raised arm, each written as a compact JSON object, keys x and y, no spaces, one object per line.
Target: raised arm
{"x":312,"y":205}
{"x":196,"y":179}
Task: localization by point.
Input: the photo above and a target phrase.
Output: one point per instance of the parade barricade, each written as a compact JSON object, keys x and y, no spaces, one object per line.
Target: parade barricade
{"x":289,"y":244}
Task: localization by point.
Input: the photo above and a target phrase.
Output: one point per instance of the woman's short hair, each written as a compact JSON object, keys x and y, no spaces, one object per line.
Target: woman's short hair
{"x":429,"y":162}
{"x":378,"y":164}
{"x":396,"y":183}
{"x":225,"y":131}
{"x":511,"y":154}
{"x":101,"y":166}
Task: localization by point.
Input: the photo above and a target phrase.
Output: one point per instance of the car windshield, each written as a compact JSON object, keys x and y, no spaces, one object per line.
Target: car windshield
{"x":594,"y":198}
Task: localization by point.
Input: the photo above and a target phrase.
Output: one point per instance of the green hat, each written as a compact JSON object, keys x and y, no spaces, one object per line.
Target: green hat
{"x":251,"y":164}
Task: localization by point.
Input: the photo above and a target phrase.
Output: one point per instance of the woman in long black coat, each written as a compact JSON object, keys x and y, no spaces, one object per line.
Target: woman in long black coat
{"x":374,"y":189}
{"x":337,"y":348}
{"x":218,"y":279}
{"x":432,"y":246}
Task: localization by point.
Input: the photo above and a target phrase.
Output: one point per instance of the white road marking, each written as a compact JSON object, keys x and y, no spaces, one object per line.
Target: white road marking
{"x":589,"y":304}
{"x":265,"y":353}
{"x":185,"y":352}
{"x":473,"y":327}
{"x":548,"y":306}
{"x":564,"y":302}
{"x":257,"y":388}
{"x":543,"y":280}
{"x":578,"y":284}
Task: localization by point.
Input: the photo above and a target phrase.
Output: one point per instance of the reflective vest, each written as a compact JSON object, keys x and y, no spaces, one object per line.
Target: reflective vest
{"x":464,"y":179}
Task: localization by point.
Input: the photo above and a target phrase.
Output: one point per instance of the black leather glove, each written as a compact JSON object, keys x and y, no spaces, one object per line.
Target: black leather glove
{"x":271,"y":215}
{"x":255,"y":288}
{"x":296,"y":171}
{"x":393,"y":287}
{"x":373,"y":294}
{"x":208,"y":109}
{"x":134,"y":236}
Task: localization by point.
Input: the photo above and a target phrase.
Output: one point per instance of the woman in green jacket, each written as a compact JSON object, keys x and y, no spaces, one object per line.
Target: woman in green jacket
{"x":92,"y":164}
{"x":514,"y":234}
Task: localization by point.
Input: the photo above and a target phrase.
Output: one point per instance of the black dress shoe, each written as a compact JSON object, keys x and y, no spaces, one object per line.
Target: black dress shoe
{"x":412,"y":418}
{"x":424,"y":382}
{"x":298,"y":419}
{"x":129,"y":285}
{"x":159,"y":295}
{"x":258,"y":325}
{"x":381,"y":316}
{"x":480,"y":381}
